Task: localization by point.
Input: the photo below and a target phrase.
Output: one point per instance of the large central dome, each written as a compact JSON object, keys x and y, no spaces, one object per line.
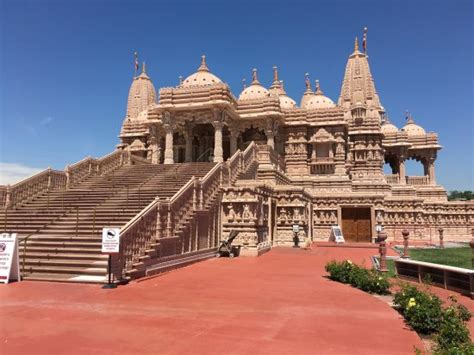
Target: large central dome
{"x":202,"y":77}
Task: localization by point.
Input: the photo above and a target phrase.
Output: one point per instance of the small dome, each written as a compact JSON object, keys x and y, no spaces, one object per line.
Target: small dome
{"x":277,"y":89}
{"x":412,"y":128}
{"x":318,"y":100}
{"x":388,"y":127}
{"x":202,"y":77}
{"x":255,"y":90}
{"x":142,"y":93}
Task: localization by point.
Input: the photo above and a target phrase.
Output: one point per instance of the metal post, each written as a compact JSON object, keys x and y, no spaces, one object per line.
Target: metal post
{"x":93,"y":221}
{"x":109,"y":284}
{"x":127,"y":197}
{"x":48,"y":200}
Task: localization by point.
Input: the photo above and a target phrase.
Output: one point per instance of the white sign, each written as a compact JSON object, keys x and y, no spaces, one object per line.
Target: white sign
{"x":110,"y":240}
{"x":9,"y":261}
{"x":296,"y":228}
{"x":378,"y":228}
{"x":336,"y":234}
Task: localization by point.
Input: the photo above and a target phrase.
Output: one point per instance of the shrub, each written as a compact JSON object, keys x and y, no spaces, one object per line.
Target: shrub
{"x":453,"y":336}
{"x":421,"y":310}
{"x":366,"y":280}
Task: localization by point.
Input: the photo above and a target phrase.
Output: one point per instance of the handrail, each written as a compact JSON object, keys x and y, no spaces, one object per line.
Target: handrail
{"x":204,"y":153}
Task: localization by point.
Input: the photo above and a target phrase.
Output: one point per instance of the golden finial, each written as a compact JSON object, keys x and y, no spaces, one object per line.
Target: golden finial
{"x":356,"y":45}
{"x":275,"y":73}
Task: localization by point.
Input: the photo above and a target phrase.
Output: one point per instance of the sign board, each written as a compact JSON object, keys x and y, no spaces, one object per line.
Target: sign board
{"x":9,"y":261}
{"x":336,"y":234}
{"x":296,"y":228}
{"x":110,"y":240}
{"x":378,"y":228}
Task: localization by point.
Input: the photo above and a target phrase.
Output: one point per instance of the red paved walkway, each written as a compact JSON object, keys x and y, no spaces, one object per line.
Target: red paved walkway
{"x":279,"y":303}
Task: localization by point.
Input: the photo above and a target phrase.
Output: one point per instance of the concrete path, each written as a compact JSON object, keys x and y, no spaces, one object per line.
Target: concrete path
{"x":279,"y":303}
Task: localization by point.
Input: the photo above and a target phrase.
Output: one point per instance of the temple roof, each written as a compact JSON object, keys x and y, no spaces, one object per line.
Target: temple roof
{"x":255,"y":90}
{"x":358,"y":85}
{"x":142,"y":93}
{"x":203,"y":76}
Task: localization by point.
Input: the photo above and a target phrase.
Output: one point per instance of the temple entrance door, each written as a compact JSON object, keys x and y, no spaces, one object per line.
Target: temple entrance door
{"x":356,"y":224}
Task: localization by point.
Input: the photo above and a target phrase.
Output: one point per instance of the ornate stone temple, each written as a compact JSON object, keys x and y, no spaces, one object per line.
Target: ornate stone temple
{"x":319,"y":163}
{"x":259,"y":164}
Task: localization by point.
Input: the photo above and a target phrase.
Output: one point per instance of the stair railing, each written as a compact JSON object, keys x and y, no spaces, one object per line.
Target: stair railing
{"x":160,"y":220}
{"x":205,"y":153}
{"x":33,"y":186}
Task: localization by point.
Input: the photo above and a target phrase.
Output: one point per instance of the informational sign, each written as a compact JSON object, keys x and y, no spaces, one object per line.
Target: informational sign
{"x":378,"y":228}
{"x":9,"y":261}
{"x":110,"y":240}
{"x":336,"y":234}
{"x":296,"y":228}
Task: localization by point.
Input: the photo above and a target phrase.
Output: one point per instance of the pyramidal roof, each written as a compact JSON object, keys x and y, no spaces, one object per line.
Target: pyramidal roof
{"x":358,"y":85}
{"x":142,"y":93}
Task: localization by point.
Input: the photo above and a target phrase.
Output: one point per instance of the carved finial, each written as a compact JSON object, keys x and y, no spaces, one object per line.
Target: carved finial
{"x":356,"y":45}
{"x":308,"y":83}
{"x":203,"y":66}
{"x":180,"y":80}
{"x":254,"y":76}
{"x":364,"y":40}
{"x":143,"y":68}
{"x":409,"y":117}
{"x":244,"y":83}
{"x":318,"y":88}
{"x":275,"y":73}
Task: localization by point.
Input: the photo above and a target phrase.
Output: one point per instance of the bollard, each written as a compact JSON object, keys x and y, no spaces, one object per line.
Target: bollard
{"x":441,"y":237}
{"x":471,"y":244}
{"x":296,"y":240}
{"x":382,"y":236}
{"x":405,"y":234}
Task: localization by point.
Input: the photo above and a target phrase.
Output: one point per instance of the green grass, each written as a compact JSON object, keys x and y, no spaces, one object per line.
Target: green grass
{"x":391,"y":268}
{"x":460,"y":257}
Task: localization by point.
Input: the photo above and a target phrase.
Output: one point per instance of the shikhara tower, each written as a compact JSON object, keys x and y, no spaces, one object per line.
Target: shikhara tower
{"x":196,"y":162}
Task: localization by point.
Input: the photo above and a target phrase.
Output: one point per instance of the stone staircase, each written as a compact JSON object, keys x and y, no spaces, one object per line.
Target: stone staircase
{"x":60,"y":230}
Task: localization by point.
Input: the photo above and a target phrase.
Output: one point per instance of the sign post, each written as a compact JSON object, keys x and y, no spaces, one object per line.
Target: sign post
{"x":9,"y":261}
{"x":336,"y":234}
{"x":296,"y":239}
{"x":110,"y":245}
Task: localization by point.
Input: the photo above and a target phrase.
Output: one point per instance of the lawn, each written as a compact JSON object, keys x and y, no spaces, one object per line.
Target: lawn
{"x":460,"y":257}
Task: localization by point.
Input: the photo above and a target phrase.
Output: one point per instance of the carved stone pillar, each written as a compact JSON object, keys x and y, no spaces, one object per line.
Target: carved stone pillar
{"x":401,"y":169}
{"x":169,"y":156}
{"x":233,"y":141}
{"x":431,"y":170}
{"x":270,"y":138}
{"x":218,"y":151}
{"x":188,"y":156}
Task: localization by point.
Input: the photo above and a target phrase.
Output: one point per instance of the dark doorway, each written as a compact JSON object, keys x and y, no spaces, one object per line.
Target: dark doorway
{"x":356,"y":224}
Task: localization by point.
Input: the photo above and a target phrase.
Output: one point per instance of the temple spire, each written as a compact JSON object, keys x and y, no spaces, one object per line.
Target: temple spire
{"x":180,"y":80}
{"x":143,"y":68}
{"x":307,"y":82}
{"x":275,"y":74}
{"x":356,"y":45}
{"x":244,"y":83}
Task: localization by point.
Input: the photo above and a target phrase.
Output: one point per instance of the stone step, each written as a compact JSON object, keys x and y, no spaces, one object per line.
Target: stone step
{"x":52,"y":277}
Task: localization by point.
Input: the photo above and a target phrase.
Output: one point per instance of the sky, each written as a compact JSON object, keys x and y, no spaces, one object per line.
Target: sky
{"x":66,"y":66}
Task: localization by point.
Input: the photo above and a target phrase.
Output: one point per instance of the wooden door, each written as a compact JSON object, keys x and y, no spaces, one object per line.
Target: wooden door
{"x":356,"y":225}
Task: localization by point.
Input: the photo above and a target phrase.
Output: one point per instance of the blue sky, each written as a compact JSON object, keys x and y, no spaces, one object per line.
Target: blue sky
{"x":66,"y":66}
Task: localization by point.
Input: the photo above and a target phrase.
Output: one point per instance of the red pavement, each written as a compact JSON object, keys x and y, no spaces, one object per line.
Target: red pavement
{"x":279,"y":303}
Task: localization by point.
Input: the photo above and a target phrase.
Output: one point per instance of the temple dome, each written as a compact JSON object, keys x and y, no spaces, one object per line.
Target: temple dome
{"x":202,"y":77}
{"x":412,"y":128}
{"x":388,"y":127}
{"x":277,"y":89}
{"x":142,"y":93}
{"x":318,"y":100}
{"x":255,"y":90}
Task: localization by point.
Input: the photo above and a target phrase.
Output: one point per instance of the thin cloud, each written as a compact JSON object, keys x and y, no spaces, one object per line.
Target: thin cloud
{"x":46,"y":121}
{"x":11,"y":173}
